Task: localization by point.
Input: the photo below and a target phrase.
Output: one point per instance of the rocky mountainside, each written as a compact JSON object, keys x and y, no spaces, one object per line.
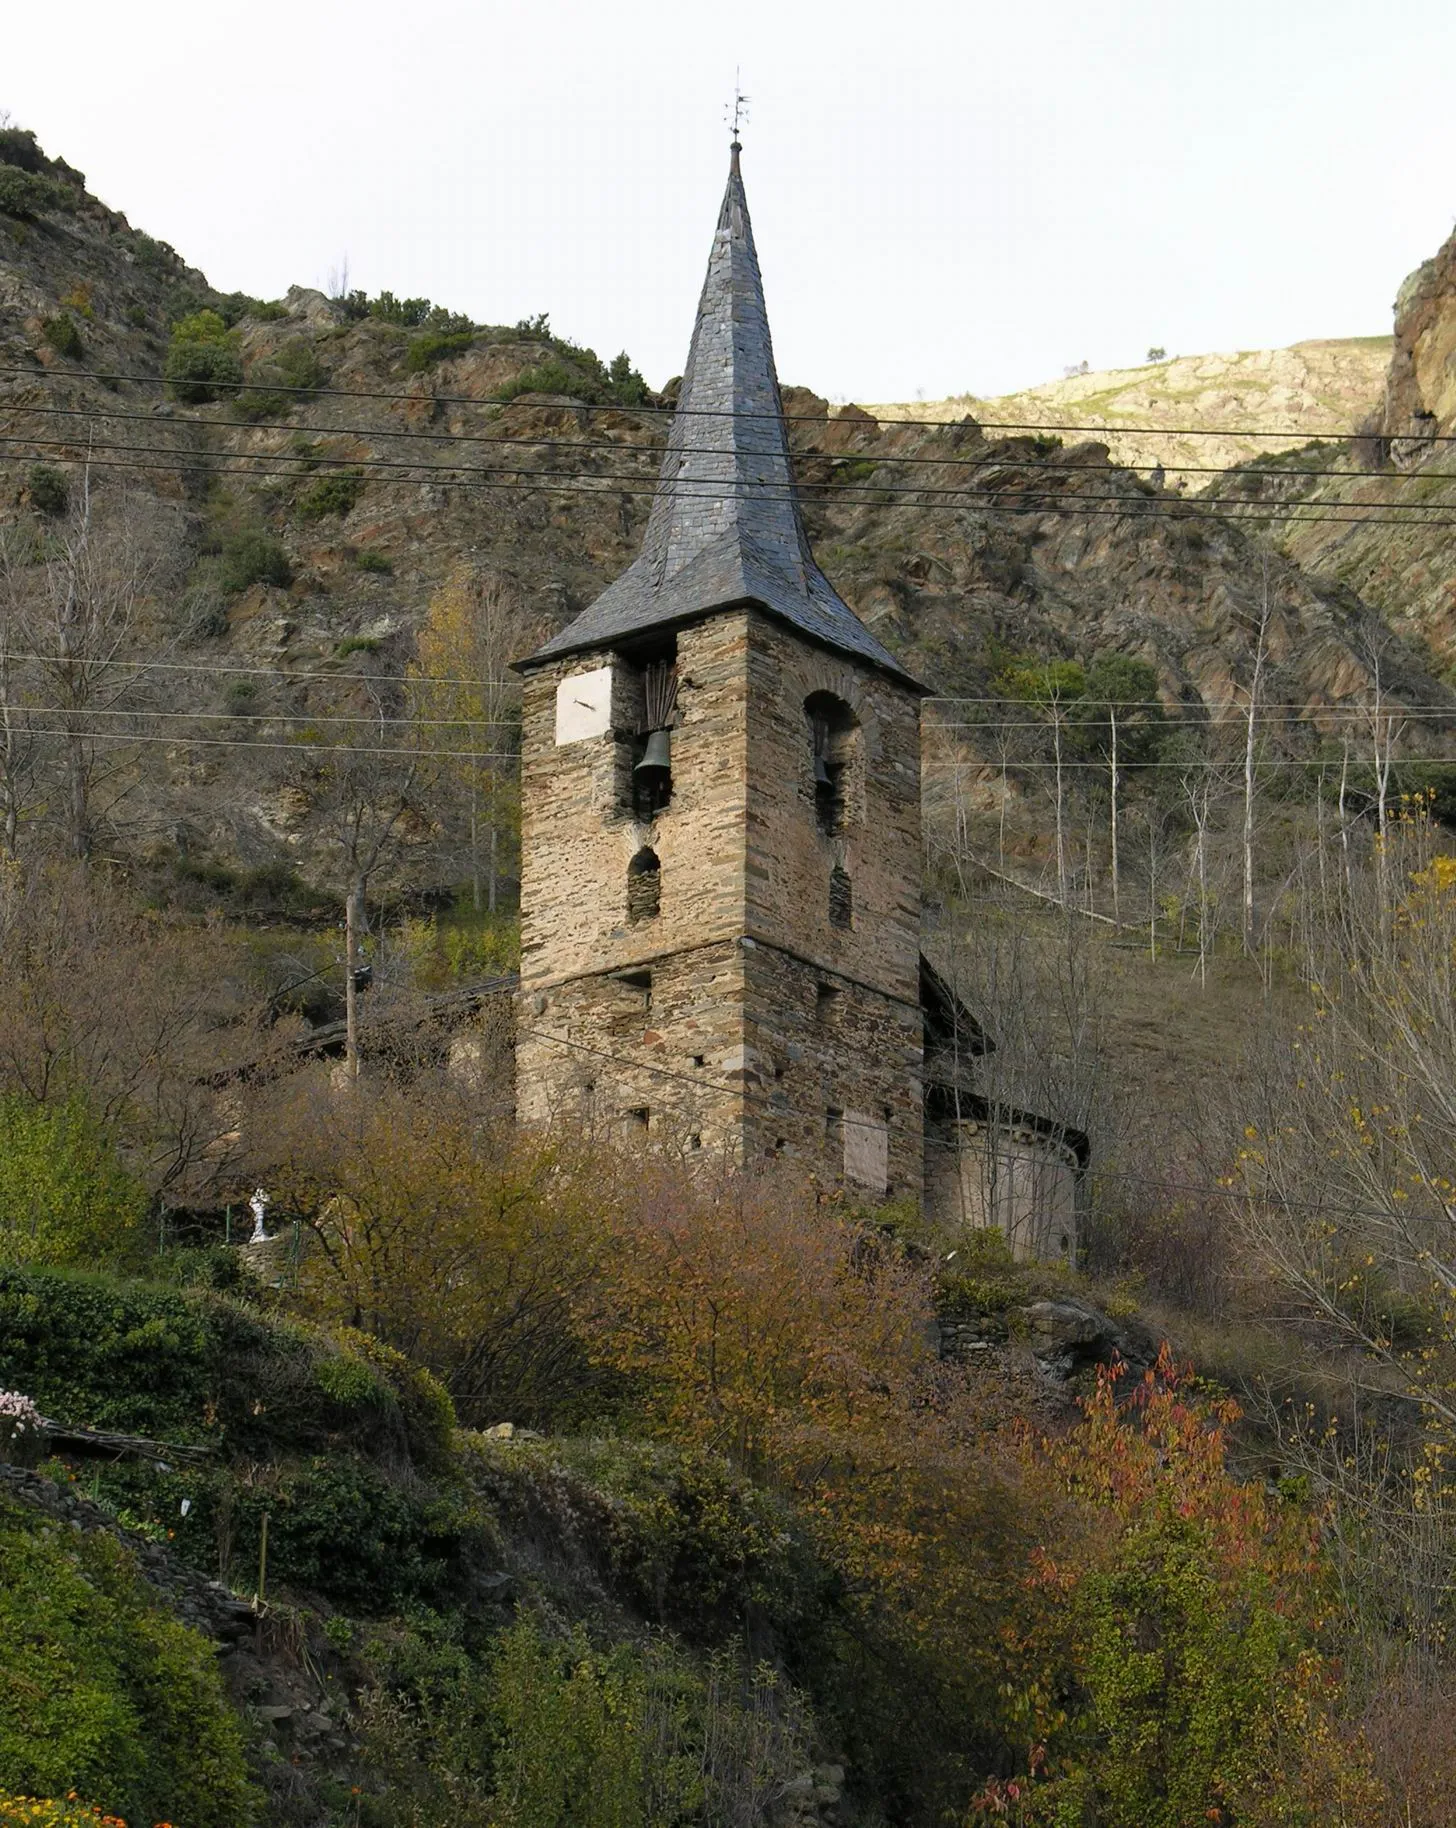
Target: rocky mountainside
{"x":371,"y":450}
{"x":1395,"y":487}
{"x":1329,"y":385}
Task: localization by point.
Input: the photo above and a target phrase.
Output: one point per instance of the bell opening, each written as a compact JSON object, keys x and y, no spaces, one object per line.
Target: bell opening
{"x":652,"y":774}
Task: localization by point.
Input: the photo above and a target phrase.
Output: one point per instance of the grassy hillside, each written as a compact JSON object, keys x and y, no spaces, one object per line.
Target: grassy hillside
{"x":1324,"y":387}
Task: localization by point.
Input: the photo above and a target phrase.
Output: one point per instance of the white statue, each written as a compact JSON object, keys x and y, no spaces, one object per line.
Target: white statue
{"x":259,"y":1207}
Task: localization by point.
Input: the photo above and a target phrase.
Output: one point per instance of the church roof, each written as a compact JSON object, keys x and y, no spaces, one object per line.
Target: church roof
{"x":725,"y":526}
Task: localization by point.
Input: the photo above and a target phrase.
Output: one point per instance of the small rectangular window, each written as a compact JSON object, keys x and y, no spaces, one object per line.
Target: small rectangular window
{"x":640,"y":1116}
{"x":828,"y":1004}
{"x":841,"y":898}
{"x":637,"y":987}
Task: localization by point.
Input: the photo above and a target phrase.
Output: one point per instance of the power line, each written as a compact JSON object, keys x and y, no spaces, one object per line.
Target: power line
{"x":1058,"y":1131}
{"x":271,"y":717}
{"x":299,"y":747}
{"x":1202,"y":716}
{"x":749,"y":488}
{"x":279,"y":672}
{"x":695,"y":412}
{"x":1212,"y":510}
{"x":1233,"y":762}
{"x":655,"y":450}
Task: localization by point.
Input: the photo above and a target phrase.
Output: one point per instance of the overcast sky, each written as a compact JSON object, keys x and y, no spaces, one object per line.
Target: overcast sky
{"x":946,"y":197}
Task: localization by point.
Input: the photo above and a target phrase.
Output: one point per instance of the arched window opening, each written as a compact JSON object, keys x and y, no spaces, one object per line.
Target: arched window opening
{"x":644,"y":886}
{"x":652,"y":764}
{"x":841,"y":898}
{"x":832,"y":734}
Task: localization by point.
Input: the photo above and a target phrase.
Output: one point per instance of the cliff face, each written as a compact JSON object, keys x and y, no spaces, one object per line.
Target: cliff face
{"x":1420,"y":386}
{"x":445,"y":466}
{"x":1387,"y":513}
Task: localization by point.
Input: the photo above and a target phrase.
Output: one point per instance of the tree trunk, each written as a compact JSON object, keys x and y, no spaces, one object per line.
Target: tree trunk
{"x":78,"y":810}
{"x":1116,"y":896}
{"x":1061,"y":836}
{"x":1152,"y":890}
{"x":1249,"y":775}
{"x":353,"y":923}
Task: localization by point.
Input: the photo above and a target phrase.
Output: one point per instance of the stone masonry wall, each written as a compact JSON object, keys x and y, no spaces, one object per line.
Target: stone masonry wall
{"x":789,"y":859}
{"x":739,"y":1017}
{"x":608,"y":1056}
{"x":576,"y":842}
{"x":821,"y":1043}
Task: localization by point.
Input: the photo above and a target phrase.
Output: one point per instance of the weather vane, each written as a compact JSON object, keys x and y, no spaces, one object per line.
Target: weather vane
{"x":738,"y":106}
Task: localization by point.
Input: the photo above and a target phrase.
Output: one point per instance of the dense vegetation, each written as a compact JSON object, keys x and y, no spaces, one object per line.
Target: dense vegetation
{"x":565,"y":1490}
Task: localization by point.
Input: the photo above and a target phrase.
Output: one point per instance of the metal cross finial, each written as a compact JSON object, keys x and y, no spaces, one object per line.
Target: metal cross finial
{"x":739,"y":106}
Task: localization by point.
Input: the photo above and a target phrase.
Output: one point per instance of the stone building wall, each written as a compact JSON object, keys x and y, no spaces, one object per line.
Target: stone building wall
{"x":739,"y":1016}
{"x":790,"y":859}
{"x":660,"y":1060}
{"x":836,"y":1066}
{"x":1026,"y":1184}
{"x":578,"y":838}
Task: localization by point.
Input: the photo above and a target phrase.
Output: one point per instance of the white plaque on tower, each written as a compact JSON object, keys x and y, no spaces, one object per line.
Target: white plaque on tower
{"x":584,"y":705}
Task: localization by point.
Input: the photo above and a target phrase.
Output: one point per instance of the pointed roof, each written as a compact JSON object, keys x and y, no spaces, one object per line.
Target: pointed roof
{"x":725,"y":526}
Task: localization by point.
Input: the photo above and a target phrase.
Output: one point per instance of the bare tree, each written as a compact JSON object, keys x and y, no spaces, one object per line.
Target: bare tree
{"x":468,"y":704}
{"x":21,"y":741}
{"x":366,"y":806}
{"x":1251,"y":714}
{"x":76,"y":615}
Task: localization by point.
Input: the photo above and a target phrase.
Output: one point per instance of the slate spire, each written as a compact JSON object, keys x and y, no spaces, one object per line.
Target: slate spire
{"x":725,"y":526}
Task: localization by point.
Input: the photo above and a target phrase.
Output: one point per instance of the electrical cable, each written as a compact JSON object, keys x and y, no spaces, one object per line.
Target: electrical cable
{"x":1212,"y":510}
{"x":702,"y":487}
{"x":1210,"y":1189}
{"x":1041,"y":465}
{"x":688,"y":412}
{"x":1237,"y":718}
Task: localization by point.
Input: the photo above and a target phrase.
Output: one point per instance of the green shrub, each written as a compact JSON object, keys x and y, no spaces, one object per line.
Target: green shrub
{"x":197,"y":1367}
{"x":356,"y":644}
{"x":157,"y":258}
{"x":554,"y":377}
{"x":278,"y":385}
{"x":554,"y":1731}
{"x":633,"y":1737}
{"x":627,"y":386}
{"x":49,"y":491}
{"x":240,"y":699}
{"x":433,"y":346}
{"x":202,"y":358}
{"x":102,"y":1693}
{"x":681,"y":1538}
{"x":64,"y":1195}
{"x":252,"y":557}
{"x":63,"y":336}
{"x":26,"y":195}
{"x":410,"y":312}
{"x":136,"y":316}
{"x":298,"y":365}
{"x":335,"y":493}
{"x":373,"y":561}
{"x":232,"y":306}
{"x":255,"y":403}
{"x":19,"y":147}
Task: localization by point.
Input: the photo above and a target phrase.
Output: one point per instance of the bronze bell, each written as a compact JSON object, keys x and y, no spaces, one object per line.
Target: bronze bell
{"x":657,"y":756}
{"x":822,"y":776}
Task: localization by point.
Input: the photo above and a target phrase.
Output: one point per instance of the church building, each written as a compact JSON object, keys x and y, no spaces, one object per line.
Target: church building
{"x":721,"y":844}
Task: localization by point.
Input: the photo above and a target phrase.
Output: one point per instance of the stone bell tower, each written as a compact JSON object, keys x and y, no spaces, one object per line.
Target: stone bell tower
{"x":720,"y":886}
